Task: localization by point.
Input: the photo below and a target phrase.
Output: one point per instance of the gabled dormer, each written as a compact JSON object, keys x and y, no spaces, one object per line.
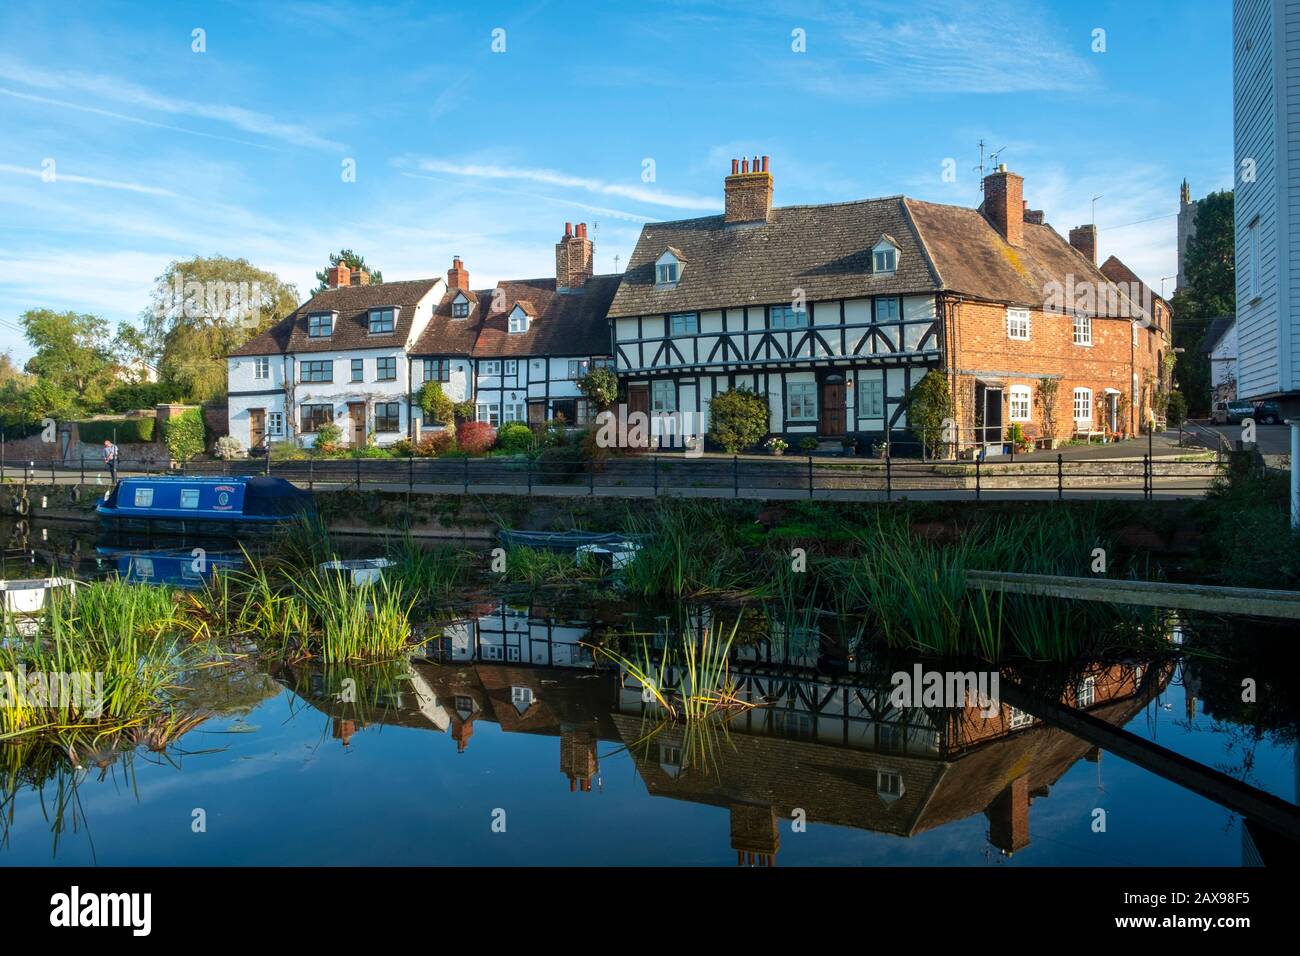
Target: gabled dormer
{"x":668,"y":269}
{"x":884,"y":257}
{"x":520,"y":318}
{"x":461,"y":306}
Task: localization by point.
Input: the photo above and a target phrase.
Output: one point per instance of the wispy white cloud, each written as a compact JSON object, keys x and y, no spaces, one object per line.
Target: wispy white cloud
{"x":949,"y":46}
{"x":125,"y":91}
{"x":588,"y":207}
{"x":58,"y":177}
{"x":110,"y":114}
{"x":551,"y":177}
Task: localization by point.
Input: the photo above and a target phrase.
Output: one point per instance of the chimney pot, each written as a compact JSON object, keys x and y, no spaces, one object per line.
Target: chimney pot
{"x":744,"y":165}
{"x":574,"y":257}
{"x":764,"y":164}
{"x":748,"y":193}
{"x":735,"y":166}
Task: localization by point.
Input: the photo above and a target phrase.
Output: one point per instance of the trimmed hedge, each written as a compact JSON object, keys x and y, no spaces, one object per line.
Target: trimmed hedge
{"x":129,"y":430}
{"x":185,"y":434}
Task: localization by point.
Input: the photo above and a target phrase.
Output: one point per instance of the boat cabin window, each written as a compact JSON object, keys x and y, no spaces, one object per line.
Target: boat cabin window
{"x":144,"y":497}
{"x":189,"y":497}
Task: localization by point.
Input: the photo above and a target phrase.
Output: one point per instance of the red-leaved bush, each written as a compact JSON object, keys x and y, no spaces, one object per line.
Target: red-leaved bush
{"x":437,"y":443}
{"x":474,"y":438}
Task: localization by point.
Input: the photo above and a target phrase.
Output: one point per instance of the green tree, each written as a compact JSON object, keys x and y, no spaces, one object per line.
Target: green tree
{"x":71,"y":356}
{"x":1210,"y":291}
{"x":929,"y":408}
{"x":201,"y":309}
{"x":600,"y":386}
{"x":352,"y":261}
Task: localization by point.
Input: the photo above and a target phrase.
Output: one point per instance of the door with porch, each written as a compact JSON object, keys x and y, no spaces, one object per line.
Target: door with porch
{"x":831,"y":413}
{"x":256,"y":427}
{"x":357,"y":416}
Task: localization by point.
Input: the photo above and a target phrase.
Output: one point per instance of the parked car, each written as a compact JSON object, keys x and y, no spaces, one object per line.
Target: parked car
{"x":1219,"y":413}
{"x":1264,"y":413}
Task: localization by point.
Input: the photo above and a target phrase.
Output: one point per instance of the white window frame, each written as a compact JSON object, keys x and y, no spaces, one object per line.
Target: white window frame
{"x":684,"y":323}
{"x":521,"y":695}
{"x":576,"y":369}
{"x":1082,"y":329}
{"x":489,"y":412}
{"x":885,"y":777}
{"x":262,"y":367}
{"x":667,"y":270}
{"x":807,"y":392}
{"x":510,"y":367}
{"x":871,"y":398}
{"x":518,"y":321}
{"x":1020,"y":400}
{"x":376,"y":316}
{"x":663,"y":396}
{"x":460,"y":308}
{"x":492,"y":367}
{"x":896,"y":309}
{"x":1085,"y":695}
{"x":1018,"y":324}
{"x":514,"y":412}
{"x":275,"y":424}
{"x":1018,"y":718}
{"x":1084,"y":394}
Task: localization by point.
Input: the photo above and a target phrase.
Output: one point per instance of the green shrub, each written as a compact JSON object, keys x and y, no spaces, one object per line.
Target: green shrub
{"x":464,"y":411}
{"x":133,"y":395}
{"x":600,"y":385}
{"x":929,"y":406}
{"x":438,"y":408}
{"x":560,"y":465}
{"x":515,"y":438}
{"x":185,"y":435}
{"x":128,"y":430}
{"x":809,"y":444}
{"x":1176,"y":409}
{"x":328,"y":437}
{"x":737,"y":419}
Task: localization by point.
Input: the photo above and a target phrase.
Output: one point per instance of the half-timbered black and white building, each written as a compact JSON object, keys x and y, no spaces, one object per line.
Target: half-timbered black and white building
{"x":828,"y":310}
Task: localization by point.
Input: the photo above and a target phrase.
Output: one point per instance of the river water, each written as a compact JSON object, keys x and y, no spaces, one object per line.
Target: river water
{"x":508,"y":741}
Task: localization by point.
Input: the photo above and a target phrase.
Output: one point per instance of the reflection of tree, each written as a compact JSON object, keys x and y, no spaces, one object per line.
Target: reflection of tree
{"x":1225,"y":655}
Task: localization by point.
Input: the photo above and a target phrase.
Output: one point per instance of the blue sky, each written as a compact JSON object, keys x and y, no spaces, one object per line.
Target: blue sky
{"x":162,"y":153}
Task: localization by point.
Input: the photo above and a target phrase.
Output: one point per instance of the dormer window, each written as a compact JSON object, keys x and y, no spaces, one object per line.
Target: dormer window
{"x":460,"y":308}
{"x":884,"y":257}
{"x":518,"y":320}
{"x":381,"y":320}
{"x":668,"y":269}
{"x":320,"y":325}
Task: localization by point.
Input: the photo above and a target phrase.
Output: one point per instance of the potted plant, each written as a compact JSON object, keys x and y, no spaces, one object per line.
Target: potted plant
{"x":776,"y":445}
{"x":849,"y":444}
{"x":809,"y":444}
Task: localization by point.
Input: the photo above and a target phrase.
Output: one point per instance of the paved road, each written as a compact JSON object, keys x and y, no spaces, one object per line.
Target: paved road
{"x":1272,"y":439}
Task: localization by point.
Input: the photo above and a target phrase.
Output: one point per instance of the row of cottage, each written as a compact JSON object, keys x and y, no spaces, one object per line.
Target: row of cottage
{"x":832,"y":311}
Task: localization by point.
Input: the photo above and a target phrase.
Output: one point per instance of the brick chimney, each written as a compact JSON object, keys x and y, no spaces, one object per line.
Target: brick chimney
{"x":748,"y":192}
{"x":1008,"y":817}
{"x":1034,"y":216}
{"x":574,"y":258}
{"x":1084,"y":238}
{"x":457,"y":275}
{"x":1004,"y":204}
{"x":341,"y":275}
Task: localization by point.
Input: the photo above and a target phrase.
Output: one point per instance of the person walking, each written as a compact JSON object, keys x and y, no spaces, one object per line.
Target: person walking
{"x":110,"y":459}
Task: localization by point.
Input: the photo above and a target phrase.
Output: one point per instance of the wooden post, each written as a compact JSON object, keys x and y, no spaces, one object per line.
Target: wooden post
{"x":810,"y":475}
{"x":977,"y":477}
{"x":467,"y":474}
{"x":735,"y":476}
{"x":654,"y":463}
{"x":1060,"y":478}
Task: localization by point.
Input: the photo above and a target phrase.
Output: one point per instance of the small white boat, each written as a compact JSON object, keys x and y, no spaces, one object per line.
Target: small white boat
{"x":617,"y":554}
{"x":28,"y":595}
{"x":361,"y":571}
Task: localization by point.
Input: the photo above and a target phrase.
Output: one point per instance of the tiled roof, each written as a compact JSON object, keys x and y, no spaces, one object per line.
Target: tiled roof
{"x":973,"y":259}
{"x":561,"y":323}
{"x":823,"y":250}
{"x":445,"y":335}
{"x":351,"y":325}
{"x":1215,"y":331}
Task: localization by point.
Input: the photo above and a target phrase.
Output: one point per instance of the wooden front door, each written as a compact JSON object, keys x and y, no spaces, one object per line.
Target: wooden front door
{"x":638,"y":399}
{"x":357,"y":415}
{"x":830,"y":420}
{"x":256,"y":427}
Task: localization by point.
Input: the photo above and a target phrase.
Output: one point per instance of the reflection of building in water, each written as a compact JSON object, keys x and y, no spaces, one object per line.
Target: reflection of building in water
{"x":829,"y":743}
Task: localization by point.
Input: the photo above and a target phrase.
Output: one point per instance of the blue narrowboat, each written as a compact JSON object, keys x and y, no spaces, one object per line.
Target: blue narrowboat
{"x":189,"y":568}
{"x":235,"y":505}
